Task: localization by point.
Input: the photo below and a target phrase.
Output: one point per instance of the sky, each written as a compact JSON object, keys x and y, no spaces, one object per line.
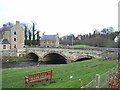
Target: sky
{"x":62,"y":16}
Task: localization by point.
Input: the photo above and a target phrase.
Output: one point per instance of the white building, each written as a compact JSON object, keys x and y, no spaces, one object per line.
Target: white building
{"x":116,"y":38}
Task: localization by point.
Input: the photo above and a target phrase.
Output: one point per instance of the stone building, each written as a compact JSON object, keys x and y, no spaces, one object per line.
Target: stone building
{"x":11,"y":36}
{"x":49,"y":41}
{"x":4,"y":44}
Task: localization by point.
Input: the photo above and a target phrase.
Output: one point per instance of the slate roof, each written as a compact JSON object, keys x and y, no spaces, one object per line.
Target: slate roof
{"x":49,"y":37}
{"x":4,"y":41}
{"x":6,"y":28}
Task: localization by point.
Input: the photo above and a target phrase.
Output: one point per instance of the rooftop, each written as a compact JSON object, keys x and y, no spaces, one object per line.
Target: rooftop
{"x":49,"y":37}
{"x":4,"y":41}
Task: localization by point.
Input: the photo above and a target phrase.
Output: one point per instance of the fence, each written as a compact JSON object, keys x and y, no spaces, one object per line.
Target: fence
{"x":101,"y":81}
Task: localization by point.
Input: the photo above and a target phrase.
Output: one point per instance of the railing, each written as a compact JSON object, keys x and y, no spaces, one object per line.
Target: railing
{"x":101,"y":81}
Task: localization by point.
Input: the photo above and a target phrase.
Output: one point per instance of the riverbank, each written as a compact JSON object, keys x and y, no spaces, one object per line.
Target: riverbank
{"x":85,"y":70}
{"x":14,"y":59}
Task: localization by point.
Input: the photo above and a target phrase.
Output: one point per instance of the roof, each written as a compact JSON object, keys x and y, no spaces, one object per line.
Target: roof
{"x":49,"y":37}
{"x":4,"y":41}
{"x":6,"y":28}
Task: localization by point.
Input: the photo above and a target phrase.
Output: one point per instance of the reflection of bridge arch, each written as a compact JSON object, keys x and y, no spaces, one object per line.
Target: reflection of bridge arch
{"x":33,"y":56}
{"x":55,"y":58}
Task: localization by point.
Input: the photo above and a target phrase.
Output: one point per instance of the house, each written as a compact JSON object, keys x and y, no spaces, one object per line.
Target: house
{"x":49,"y":41}
{"x":116,"y":38}
{"x":4,"y":44}
{"x":11,"y":36}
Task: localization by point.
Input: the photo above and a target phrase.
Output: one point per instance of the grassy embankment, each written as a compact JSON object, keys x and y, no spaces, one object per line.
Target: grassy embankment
{"x":84,"y":70}
{"x":13,"y":58}
{"x":77,"y":46}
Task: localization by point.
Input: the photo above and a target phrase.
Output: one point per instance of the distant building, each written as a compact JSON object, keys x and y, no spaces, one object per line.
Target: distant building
{"x":79,"y":37}
{"x":11,"y":36}
{"x":49,"y":41}
{"x":116,"y":38}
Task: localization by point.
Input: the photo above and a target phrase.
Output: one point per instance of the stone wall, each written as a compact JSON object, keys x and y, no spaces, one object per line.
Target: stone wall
{"x":9,"y":53}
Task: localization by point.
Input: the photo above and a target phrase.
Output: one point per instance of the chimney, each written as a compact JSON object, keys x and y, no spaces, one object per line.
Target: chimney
{"x":43,"y":33}
{"x":17,"y":22}
{"x":57,"y":35}
{"x":4,"y":25}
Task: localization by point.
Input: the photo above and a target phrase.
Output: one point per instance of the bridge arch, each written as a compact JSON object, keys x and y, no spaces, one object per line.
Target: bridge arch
{"x":33,"y":56}
{"x":83,"y":58}
{"x":55,"y":58}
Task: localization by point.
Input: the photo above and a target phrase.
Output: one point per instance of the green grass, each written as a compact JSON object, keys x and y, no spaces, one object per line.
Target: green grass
{"x":14,"y":58}
{"x":81,"y":46}
{"x":77,"y":46}
{"x":84,"y":70}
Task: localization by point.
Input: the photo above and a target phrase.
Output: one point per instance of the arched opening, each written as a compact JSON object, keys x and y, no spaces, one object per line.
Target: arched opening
{"x":54,"y":58}
{"x":84,"y":58}
{"x":33,"y":56}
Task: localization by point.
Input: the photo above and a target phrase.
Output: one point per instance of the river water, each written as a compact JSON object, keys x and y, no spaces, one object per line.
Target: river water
{"x":20,"y":64}
{"x":24,"y":64}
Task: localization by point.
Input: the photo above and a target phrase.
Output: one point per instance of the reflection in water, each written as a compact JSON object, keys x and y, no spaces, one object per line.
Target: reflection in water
{"x":25,"y":64}
{"x":20,"y":64}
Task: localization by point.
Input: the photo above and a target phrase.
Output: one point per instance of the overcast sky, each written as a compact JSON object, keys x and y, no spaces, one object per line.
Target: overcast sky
{"x":62,"y":16}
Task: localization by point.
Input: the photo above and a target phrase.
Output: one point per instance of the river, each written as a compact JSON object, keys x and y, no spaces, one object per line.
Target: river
{"x":20,"y":64}
{"x":24,"y":64}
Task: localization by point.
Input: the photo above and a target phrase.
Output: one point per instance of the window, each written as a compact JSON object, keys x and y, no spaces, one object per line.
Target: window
{"x":4,"y":46}
{"x":14,"y":33}
{"x":14,"y":46}
{"x":14,"y":39}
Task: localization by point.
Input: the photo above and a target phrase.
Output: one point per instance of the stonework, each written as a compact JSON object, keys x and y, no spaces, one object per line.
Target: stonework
{"x":14,"y":34}
{"x":49,"y":41}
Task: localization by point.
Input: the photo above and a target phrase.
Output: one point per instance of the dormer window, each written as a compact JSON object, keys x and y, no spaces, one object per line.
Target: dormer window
{"x":14,"y":33}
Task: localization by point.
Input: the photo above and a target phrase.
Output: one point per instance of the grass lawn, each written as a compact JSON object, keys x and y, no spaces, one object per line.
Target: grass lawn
{"x":78,"y":46}
{"x":84,"y":70}
{"x":81,"y":46}
{"x":13,"y":58}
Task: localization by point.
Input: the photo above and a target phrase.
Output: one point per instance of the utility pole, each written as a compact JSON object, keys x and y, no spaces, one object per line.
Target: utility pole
{"x":72,"y":40}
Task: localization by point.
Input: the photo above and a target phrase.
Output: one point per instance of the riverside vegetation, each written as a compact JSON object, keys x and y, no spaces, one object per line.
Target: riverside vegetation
{"x":14,"y":58}
{"x":84,"y":70}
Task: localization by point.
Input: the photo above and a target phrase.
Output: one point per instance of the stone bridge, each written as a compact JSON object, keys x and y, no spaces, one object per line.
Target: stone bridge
{"x":59,"y":55}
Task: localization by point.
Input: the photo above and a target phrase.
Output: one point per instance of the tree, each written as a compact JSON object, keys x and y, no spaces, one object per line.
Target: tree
{"x":38,"y":37}
{"x":90,"y":35}
{"x":96,"y":33}
{"x":33,"y":33}
{"x":108,"y":30}
{"x":119,"y":41}
{"x":26,"y":33}
{"x":104,"y":31}
{"x":29,"y":32}
{"x":32,"y":36}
